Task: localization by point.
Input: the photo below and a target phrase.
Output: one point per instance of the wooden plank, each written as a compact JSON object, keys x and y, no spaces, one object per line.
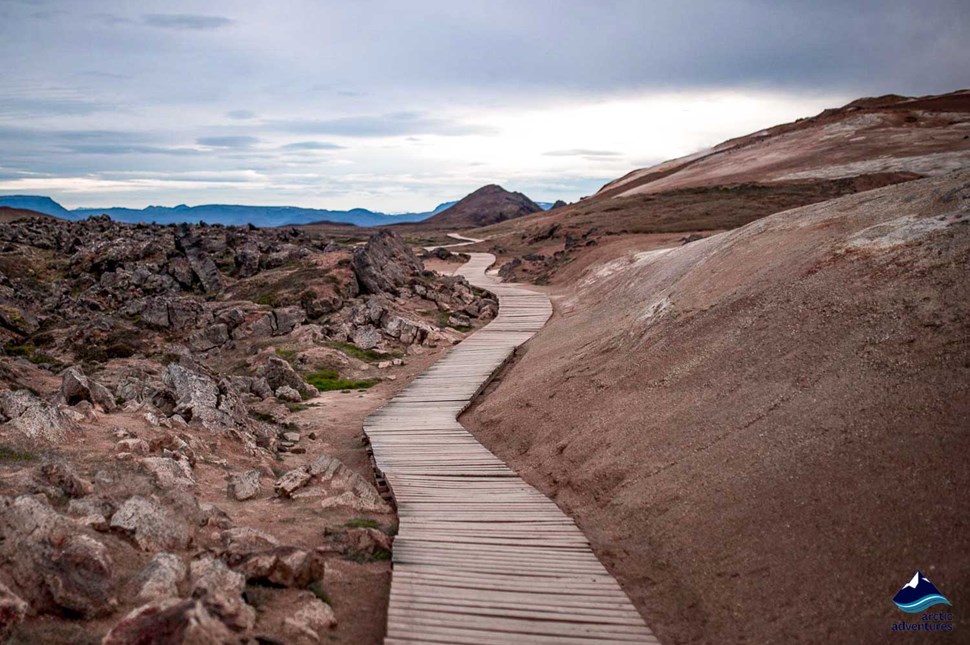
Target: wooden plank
{"x":481,"y":556}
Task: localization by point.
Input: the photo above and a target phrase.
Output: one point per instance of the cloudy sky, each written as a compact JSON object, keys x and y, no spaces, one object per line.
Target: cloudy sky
{"x":398,"y":106}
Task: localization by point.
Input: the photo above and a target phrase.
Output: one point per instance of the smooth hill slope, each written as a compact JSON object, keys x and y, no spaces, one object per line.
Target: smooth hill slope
{"x":867,"y":144}
{"x":8,"y":214}
{"x":764,"y":432}
{"x":926,"y":135}
{"x":487,"y":205}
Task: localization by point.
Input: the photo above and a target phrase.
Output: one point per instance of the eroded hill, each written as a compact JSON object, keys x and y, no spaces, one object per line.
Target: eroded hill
{"x":765,"y":429}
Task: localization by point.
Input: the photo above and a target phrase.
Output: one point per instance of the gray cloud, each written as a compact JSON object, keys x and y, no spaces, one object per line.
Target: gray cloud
{"x":311,"y":145}
{"x":386,"y":125}
{"x":117,"y":86}
{"x":185,"y":21}
{"x":236,"y":141}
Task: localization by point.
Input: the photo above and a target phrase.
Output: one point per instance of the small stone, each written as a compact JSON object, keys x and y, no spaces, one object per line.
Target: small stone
{"x":243,"y":486}
{"x":161,"y":621}
{"x":221,"y":591}
{"x":311,"y":620}
{"x":293,"y":437}
{"x":160,"y":577}
{"x":292,"y":481}
{"x":287,"y":393}
{"x":152,"y":527}
{"x":134,"y":446}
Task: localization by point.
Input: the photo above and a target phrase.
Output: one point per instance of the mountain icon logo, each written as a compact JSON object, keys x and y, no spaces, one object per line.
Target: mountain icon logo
{"x":919,"y":594}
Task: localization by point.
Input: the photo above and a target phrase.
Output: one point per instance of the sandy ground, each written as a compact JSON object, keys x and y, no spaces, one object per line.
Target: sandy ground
{"x":764,"y":433}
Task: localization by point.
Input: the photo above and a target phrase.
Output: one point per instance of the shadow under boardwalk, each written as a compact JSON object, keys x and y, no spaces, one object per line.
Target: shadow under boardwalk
{"x":481,"y":556}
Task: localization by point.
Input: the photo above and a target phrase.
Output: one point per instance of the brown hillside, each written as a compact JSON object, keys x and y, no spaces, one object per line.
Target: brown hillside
{"x":926,"y":135}
{"x":764,"y":432}
{"x":487,"y":205}
{"x":8,"y":214}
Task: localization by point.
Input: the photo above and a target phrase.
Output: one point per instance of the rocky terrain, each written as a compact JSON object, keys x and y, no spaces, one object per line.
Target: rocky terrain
{"x":762,"y":432}
{"x":180,"y":446}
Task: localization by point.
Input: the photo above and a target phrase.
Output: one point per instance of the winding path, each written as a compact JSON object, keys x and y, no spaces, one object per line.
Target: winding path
{"x":481,"y":556}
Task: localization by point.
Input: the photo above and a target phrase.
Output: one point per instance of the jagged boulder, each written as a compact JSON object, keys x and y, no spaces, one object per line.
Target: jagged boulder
{"x":243,"y":486}
{"x":76,"y":387}
{"x":33,"y":418}
{"x":199,"y":398}
{"x":170,"y":621}
{"x":221,"y":590}
{"x":311,"y":619}
{"x":55,"y":565}
{"x":279,"y":373}
{"x":160,"y":577}
{"x":328,"y":478}
{"x":151,"y":526}
{"x":385,"y":264}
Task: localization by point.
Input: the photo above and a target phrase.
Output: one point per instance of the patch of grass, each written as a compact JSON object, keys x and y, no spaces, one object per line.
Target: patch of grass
{"x":443,"y":317}
{"x":11,"y":455}
{"x":268,"y":298}
{"x":329,"y":380}
{"x":367,"y":355}
{"x":380,"y":555}
{"x":297,"y":407}
{"x":288,"y":355}
{"x":18,"y":350}
{"x":317,"y":588}
{"x":31,"y":354}
{"x":363,"y":523}
{"x":39,"y":358}
{"x":262,"y":416}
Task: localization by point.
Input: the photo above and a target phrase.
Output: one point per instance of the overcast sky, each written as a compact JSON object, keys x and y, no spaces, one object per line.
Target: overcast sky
{"x":398,"y":106}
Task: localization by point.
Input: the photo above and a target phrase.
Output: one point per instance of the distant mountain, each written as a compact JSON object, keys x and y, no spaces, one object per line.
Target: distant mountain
{"x":44,"y":205}
{"x":487,"y":205}
{"x":230,"y":215}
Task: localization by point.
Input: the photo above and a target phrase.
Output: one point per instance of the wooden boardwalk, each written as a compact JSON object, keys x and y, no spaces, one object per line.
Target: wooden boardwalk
{"x":481,"y":556}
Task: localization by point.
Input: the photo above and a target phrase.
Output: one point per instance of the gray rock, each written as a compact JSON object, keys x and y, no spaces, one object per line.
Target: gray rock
{"x":286,"y":319}
{"x":76,"y":387}
{"x":170,"y":621}
{"x":292,"y":481}
{"x":160,"y":577}
{"x":278,"y":373}
{"x":63,"y":477}
{"x":151,"y":526}
{"x":202,"y":400}
{"x":384,"y":264}
{"x":240,"y":542}
{"x":221,"y":591}
{"x":79,"y":576}
{"x":168,"y":473}
{"x":366,"y":337}
{"x":34,"y":419}
{"x":283,"y":566}
{"x":243,"y":486}
{"x":311,"y":620}
{"x":286,"y":393}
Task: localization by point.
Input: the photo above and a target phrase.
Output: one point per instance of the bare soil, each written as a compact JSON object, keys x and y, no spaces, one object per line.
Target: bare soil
{"x":763,"y":433}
